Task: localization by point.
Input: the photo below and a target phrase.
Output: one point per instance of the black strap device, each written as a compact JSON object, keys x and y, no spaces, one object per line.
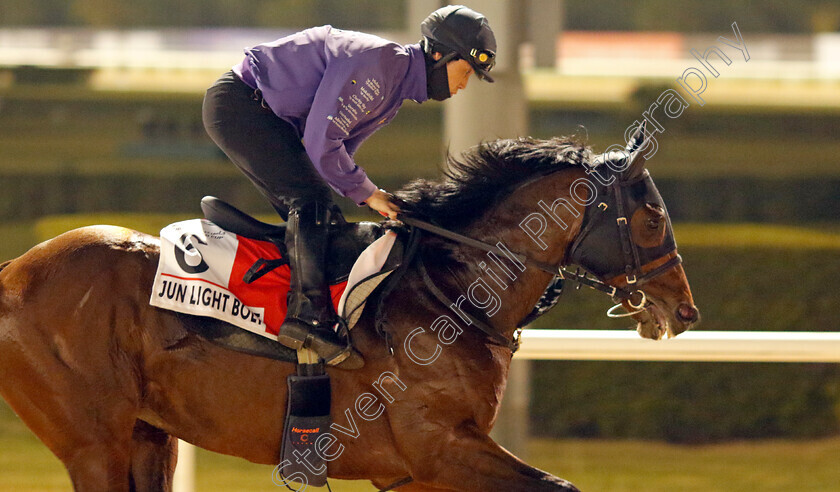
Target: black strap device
{"x":307,"y":418}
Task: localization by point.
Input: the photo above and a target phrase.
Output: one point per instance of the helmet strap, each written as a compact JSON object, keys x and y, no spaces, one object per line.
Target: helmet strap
{"x":444,"y":60}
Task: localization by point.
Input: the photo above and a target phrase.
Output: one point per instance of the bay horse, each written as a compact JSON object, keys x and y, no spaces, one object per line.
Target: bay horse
{"x":109,"y":383}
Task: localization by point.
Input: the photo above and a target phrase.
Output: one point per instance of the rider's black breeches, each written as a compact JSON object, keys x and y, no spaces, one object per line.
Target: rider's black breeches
{"x":264,"y":147}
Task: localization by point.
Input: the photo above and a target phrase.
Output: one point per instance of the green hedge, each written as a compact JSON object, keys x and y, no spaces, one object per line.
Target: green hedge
{"x":70,"y":149}
{"x":761,"y":288}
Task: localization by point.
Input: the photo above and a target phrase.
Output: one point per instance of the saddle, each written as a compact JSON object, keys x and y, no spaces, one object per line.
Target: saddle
{"x":347,"y":240}
{"x":347,"y":243}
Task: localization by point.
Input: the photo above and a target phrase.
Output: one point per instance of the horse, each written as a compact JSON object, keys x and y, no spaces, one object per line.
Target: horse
{"x":109,"y":383}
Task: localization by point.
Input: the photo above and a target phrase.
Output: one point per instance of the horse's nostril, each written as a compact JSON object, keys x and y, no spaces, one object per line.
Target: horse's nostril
{"x":687,"y":313}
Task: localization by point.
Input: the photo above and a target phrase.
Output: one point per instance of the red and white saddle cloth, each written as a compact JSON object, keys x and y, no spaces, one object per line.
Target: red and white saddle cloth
{"x":201,"y":272}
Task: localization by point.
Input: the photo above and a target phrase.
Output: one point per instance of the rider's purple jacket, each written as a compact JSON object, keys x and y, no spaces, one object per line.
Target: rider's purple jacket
{"x":336,"y":87}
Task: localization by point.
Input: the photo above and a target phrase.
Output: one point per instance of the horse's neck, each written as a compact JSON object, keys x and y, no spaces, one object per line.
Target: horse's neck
{"x":506,"y":224}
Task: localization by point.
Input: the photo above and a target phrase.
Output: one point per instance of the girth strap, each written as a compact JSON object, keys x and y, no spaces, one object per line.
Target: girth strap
{"x":262,"y":267}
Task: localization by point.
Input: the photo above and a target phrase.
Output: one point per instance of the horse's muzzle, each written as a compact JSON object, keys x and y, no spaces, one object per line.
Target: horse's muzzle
{"x":687,"y":313}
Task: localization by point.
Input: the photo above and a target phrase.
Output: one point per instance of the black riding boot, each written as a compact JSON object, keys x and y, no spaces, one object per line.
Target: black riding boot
{"x":311,"y":320}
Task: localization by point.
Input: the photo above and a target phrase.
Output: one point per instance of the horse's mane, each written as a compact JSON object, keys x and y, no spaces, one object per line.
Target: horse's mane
{"x":485,"y":174}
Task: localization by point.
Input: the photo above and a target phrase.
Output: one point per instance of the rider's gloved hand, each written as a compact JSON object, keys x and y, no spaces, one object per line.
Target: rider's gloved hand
{"x":382,"y":202}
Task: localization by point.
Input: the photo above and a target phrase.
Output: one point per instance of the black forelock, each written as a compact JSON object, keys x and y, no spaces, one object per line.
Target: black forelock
{"x":484,"y":175}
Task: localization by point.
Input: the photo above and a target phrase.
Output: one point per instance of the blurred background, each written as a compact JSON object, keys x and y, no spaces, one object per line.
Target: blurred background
{"x":100,"y":122}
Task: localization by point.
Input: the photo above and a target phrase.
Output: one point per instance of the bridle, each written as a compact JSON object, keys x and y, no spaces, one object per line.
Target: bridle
{"x":633,"y":268}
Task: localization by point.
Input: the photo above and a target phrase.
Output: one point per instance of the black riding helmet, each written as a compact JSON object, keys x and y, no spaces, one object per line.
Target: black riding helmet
{"x":457,"y":31}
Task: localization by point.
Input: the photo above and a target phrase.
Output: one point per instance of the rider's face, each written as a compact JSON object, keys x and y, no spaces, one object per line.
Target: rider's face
{"x":459,"y":72}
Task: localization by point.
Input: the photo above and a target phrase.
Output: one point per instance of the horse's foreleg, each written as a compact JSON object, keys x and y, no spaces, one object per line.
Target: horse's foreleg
{"x":97,"y":467}
{"x":471,"y":461}
{"x":153,"y":457}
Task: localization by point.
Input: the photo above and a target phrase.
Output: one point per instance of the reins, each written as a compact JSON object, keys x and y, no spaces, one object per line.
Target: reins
{"x":492,"y":334}
{"x":559,"y":270}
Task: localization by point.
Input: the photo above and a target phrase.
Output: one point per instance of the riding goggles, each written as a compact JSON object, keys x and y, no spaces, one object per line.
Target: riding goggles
{"x":484,"y":59}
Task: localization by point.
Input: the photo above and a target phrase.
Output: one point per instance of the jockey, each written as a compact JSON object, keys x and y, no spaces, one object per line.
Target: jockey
{"x":294,"y":111}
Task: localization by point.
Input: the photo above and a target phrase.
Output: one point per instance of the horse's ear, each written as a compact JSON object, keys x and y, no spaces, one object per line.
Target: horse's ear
{"x":636,"y":148}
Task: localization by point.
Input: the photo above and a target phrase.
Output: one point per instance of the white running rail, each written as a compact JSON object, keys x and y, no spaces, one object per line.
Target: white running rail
{"x":695,"y":346}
